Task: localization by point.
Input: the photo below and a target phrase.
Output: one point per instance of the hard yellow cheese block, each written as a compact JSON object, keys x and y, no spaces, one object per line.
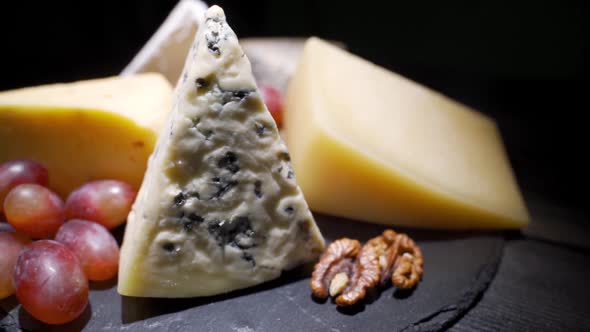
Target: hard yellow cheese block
{"x":102,"y":128}
{"x":371,"y":145}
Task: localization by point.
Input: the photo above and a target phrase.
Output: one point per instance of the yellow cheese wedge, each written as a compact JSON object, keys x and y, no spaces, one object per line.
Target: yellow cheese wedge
{"x":369,"y":144}
{"x":94,"y":129}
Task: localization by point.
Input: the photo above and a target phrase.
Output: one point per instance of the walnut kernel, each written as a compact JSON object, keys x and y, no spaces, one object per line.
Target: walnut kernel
{"x":347,"y":271}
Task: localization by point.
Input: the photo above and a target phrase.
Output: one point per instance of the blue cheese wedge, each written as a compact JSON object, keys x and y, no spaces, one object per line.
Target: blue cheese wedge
{"x":219,"y":208}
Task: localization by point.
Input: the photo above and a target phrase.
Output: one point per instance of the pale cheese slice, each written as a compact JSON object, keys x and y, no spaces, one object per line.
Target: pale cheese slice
{"x":371,"y":145}
{"x":166,"y":50}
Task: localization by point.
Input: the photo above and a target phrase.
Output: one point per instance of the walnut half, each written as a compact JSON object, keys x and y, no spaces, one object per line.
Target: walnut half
{"x":400,"y":259}
{"x":338,"y":258}
{"x":346,"y":271}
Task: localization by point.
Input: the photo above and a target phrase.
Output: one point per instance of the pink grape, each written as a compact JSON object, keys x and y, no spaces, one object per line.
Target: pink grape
{"x":34,"y":210}
{"x":15,"y":172}
{"x":274,"y":102}
{"x":94,"y":245}
{"x":11,"y":245}
{"x":106,"y":202}
{"x":50,"y":283}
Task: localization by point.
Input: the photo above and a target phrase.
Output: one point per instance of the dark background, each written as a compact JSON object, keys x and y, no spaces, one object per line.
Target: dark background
{"x":522,"y":62}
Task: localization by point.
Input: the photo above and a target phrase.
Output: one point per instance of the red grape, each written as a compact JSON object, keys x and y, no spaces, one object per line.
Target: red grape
{"x":94,"y":245}
{"x":106,"y":202}
{"x":34,"y":210}
{"x":15,"y":172}
{"x":50,"y":283}
{"x":11,"y":245}
{"x":274,"y":102}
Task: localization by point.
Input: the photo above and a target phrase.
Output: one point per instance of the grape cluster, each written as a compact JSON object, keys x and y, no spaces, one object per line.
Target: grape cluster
{"x":73,"y":243}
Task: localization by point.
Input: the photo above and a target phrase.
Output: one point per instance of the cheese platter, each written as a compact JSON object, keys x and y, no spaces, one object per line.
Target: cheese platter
{"x":244,"y":212}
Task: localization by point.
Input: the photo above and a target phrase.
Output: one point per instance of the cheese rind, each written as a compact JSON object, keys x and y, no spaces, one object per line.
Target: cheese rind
{"x":219,"y":208}
{"x":369,"y":144}
{"x":86,"y":130}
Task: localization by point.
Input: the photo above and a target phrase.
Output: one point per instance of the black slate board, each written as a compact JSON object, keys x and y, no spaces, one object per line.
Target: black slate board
{"x":554,"y":223}
{"x":458,"y":268}
{"x":539,"y":286}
